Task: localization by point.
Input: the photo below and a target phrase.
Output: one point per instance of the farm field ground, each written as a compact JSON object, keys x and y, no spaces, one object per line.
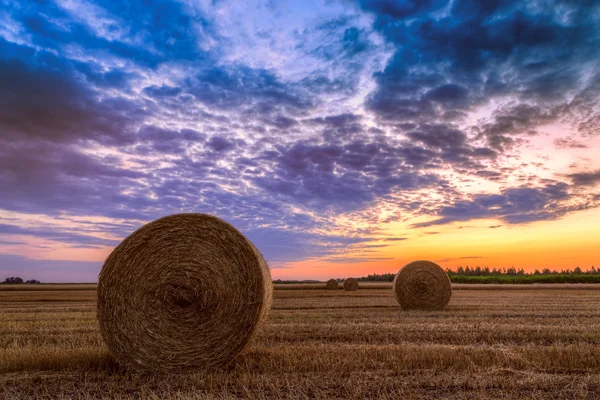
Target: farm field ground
{"x":489,"y":343}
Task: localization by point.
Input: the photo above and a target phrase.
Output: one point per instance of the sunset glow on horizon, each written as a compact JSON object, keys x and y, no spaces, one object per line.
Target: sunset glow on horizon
{"x":344,"y":138}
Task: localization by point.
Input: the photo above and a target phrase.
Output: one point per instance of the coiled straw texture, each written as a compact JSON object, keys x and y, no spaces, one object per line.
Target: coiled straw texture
{"x":350,"y":284}
{"x":186,"y":291}
{"x":332,"y":284}
{"x":422,"y":285}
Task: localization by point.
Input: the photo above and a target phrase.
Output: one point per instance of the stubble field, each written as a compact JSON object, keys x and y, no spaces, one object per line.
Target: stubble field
{"x":489,"y":343}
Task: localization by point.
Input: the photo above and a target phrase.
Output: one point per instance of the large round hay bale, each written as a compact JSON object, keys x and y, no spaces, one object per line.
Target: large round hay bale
{"x":350,"y":284}
{"x":422,"y":285}
{"x":332,"y":284}
{"x":183,"y":292}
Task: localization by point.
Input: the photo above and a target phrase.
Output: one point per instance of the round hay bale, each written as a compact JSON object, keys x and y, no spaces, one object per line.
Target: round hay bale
{"x":183,"y":292}
{"x":350,"y":284}
{"x":422,"y":285}
{"x":332,"y":284}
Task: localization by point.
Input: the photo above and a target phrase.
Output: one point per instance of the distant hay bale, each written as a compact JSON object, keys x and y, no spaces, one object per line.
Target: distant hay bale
{"x":422,"y":285}
{"x":183,"y":292}
{"x":332,"y":284}
{"x":350,"y":284}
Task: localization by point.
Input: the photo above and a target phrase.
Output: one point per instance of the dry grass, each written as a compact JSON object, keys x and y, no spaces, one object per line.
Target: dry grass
{"x":321,"y":344}
{"x":61,"y":287}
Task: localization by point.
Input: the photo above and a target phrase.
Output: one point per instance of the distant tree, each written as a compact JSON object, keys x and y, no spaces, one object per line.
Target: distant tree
{"x":577,"y":270}
{"x":33,"y":282}
{"x":13,"y":280}
{"x":378,"y":277}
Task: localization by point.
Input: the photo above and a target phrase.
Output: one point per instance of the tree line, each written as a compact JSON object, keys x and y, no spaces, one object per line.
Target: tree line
{"x":512,"y":271}
{"x":17,"y":280}
{"x":507,"y":275}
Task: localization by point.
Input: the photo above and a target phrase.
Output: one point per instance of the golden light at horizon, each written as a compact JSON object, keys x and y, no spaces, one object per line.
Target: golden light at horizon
{"x":565,"y":243}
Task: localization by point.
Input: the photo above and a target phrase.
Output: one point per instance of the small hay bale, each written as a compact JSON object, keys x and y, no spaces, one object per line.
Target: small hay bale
{"x":422,"y":285}
{"x":332,"y":284}
{"x":186,"y":291}
{"x":350,"y":285}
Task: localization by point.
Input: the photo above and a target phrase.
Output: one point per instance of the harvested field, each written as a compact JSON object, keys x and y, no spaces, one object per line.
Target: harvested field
{"x":455,"y":286}
{"x":489,"y":343}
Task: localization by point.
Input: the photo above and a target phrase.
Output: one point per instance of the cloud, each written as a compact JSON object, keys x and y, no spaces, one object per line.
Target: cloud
{"x":288,"y":126}
{"x":246,"y":88}
{"x":10,"y":243}
{"x":569,"y":143}
{"x":513,"y":206}
{"x":144,"y":32}
{"x":585,"y":178}
{"x":512,"y":120}
{"x":345,"y":176}
{"x":396,"y":9}
{"x":54,"y":105}
{"x":58,"y":236}
{"x":51,"y":178}
{"x":355,"y":260}
{"x":459,"y":258}
{"x":284,"y":245}
{"x":450,"y":58}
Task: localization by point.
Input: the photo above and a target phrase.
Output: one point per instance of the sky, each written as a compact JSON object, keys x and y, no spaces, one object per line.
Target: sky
{"x":343,"y":137}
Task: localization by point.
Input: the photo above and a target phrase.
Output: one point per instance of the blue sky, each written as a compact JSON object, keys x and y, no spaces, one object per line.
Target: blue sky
{"x":323,"y":130}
